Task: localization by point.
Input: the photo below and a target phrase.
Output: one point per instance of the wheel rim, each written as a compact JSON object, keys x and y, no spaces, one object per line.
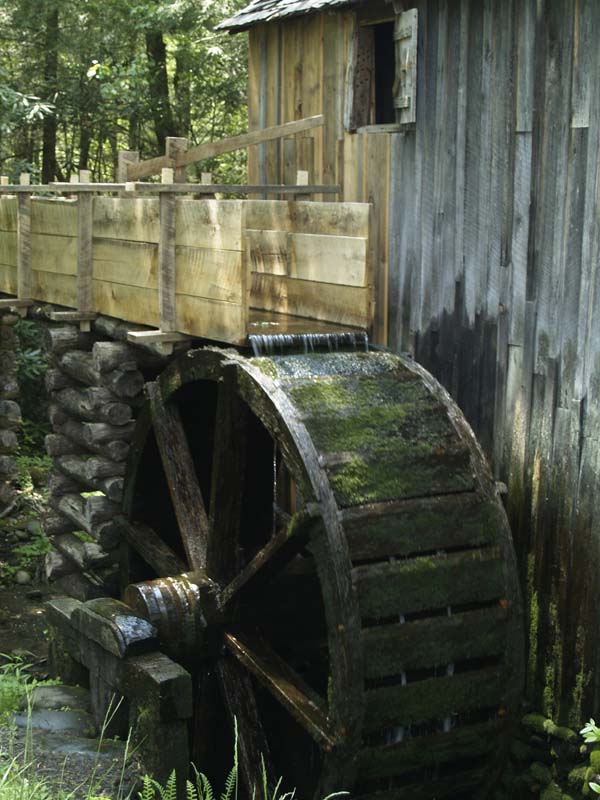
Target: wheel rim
{"x":409,"y":543}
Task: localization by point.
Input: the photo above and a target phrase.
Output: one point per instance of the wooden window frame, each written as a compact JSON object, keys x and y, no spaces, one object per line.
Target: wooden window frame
{"x":360,"y":77}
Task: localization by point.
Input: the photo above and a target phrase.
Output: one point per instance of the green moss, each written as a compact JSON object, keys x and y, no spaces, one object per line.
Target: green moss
{"x":541,"y":773}
{"x":534,"y":621}
{"x":564,"y":734}
{"x":340,"y":393}
{"x":581,"y":681}
{"x":553,"y":666}
{"x":84,"y":536}
{"x":427,"y":582}
{"x":552,"y":792}
{"x":535,"y":722}
{"x":392,"y":427}
{"x":386,"y":474}
{"x":266,"y":366}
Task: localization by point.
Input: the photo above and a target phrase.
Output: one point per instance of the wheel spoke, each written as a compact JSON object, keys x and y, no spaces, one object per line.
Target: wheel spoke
{"x":180,"y":473}
{"x":152,"y":548}
{"x":305,"y":705}
{"x":273,"y":557}
{"x":227,"y":483}
{"x":238,"y":693}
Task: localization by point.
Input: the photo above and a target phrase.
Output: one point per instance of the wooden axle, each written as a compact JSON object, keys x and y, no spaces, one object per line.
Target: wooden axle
{"x":176,"y":608}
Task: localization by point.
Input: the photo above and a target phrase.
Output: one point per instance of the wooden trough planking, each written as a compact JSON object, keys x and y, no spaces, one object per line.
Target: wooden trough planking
{"x":307,"y":260}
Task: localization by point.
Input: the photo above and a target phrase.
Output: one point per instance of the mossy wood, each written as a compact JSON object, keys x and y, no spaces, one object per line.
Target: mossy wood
{"x":357,"y":609}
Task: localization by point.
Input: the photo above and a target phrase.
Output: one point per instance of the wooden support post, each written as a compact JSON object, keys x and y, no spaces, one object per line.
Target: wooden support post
{"x":4,"y":180}
{"x":24,"y":246}
{"x":84,"y":258}
{"x":175,"y":146}
{"x":84,"y":313}
{"x":85,"y":176}
{"x":126,"y":157}
{"x":166,"y":258}
{"x":206,"y":179}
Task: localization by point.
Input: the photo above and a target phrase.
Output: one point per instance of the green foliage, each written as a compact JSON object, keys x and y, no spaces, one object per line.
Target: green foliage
{"x":118,"y":75}
{"x":32,"y":364}
{"x":591,"y":735}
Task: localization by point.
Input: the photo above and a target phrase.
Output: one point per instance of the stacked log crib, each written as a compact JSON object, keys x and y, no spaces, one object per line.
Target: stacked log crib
{"x":10,"y":412}
{"x":95,"y":385}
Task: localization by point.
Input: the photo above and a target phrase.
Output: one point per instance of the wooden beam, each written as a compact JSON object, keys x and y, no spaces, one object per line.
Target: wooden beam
{"x":151,"y":548}
{"x":126,"y":157}
{"x":180,"y":474}
{"x":84,"y":258}
{"x":212,"y":149}
{"x":166,"y":264}
{"x":176,"y":146}
{"x":285,"y":685}
{"x":145,"y":169}
{"x":276,"y":553}
{"x":156,"y":337}
{"x":24,"y":242}
{"x":178,"y":188}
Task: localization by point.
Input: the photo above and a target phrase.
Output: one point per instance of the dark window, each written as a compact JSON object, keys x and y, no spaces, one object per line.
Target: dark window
{"x":385,"y":73}
{"x":374,"y":73}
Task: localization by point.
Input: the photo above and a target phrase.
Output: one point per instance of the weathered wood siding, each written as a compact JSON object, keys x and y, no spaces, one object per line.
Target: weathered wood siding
{"x":488,"y":241}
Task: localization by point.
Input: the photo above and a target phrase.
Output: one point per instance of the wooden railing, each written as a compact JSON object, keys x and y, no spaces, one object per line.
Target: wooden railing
{"x":188,"y":267}
{"x":178,"y":156}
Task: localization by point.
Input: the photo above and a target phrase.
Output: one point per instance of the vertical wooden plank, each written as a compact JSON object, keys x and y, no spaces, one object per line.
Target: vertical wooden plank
{"x":262,"y":100}
{"x":125,"y":158}
{"x":24,"y":285}
{"x":254,"y":73}
{"x":84,"y":253}
{"x":174,"y":145}
{"x":333,"y":70}
{"x":377,"y":192}
{"x":290,"y":161}
{"x":273,"y":101}
{"x":312,"y":85}
{"x":426,"y":132}
{"x":166,"y":263}
{"x":352,"y":192}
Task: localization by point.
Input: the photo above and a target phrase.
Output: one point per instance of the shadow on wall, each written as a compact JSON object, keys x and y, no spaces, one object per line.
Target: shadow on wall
{"x":544,"y":446}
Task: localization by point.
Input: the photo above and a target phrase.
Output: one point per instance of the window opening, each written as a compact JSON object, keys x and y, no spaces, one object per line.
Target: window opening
{"x":385,"y":72}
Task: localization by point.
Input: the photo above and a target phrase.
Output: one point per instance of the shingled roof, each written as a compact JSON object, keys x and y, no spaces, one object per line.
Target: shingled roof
{"x":268,"y":10}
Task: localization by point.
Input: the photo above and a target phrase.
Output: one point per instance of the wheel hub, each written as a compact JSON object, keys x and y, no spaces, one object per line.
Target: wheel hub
{"x":184,"y":610}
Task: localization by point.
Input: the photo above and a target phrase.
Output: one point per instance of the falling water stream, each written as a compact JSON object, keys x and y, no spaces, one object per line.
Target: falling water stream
{"x":286,"y":343}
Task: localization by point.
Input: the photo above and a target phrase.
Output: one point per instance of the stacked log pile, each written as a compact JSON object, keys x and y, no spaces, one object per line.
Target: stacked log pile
{"x":94,"y":389}
{"x":10,"y":413}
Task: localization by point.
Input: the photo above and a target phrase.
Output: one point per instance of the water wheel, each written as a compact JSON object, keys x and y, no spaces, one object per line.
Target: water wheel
{"x":319,"y":540}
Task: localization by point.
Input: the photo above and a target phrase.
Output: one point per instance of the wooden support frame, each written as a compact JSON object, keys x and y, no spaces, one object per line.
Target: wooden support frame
{"x":166,"y":261}
{"x":178,"y":157}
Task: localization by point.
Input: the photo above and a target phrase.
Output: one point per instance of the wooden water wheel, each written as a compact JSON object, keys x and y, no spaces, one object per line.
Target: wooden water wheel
{"x":341,"y":578}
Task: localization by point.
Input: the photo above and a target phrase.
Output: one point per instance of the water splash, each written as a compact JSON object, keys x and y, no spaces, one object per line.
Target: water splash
{"x":284,"y":343}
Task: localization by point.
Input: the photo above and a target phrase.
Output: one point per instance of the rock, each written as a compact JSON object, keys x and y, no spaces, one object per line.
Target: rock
{"x":60,"y":698}
{"x":22,"y":577}
{"x":78,"y":723}
{"x":34,"y":526}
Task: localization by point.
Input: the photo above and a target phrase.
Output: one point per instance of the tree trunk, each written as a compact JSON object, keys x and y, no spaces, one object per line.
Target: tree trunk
{"x":49,"y":125}
{"x":159,"y":88}
{"x":182,"y":83}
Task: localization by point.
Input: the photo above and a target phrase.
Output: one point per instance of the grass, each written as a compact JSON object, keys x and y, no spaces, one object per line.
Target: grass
{"x":19,"y":780}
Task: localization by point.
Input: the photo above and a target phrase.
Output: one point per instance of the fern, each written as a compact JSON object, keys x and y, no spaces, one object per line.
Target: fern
{"x":230,"y":785}
{"x":203,"y":786}
{"x":190,"y":791}
{"x":147,"y":792}
{"x":170,"y":790}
